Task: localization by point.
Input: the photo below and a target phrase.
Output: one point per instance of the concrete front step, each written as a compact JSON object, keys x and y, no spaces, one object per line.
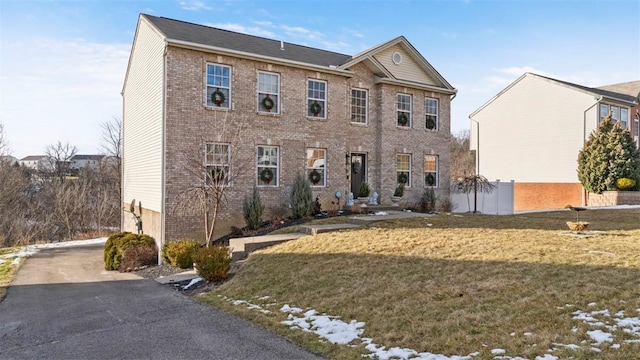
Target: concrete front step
{"x":241,"y":247}
{"x":317,"y":229}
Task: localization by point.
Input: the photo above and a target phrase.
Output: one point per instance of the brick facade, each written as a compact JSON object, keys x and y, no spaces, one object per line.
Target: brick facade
{"x":542,"y":196}
{"x":189,"y":124}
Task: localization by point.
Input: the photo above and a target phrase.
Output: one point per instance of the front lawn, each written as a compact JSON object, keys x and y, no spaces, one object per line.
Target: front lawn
{"x":470,"y":285}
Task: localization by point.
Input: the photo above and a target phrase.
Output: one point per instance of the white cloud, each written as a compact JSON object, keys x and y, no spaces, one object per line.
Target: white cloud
{"x":194,"y":5}
{"x":59,"y":90}
{"x":300,"y":32}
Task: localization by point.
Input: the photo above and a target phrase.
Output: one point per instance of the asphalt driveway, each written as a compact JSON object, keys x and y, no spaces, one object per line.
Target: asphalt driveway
{"x":63,"y":305}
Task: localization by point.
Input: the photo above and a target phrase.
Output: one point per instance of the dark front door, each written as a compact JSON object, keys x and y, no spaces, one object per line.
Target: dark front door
{"x":358,"y":172}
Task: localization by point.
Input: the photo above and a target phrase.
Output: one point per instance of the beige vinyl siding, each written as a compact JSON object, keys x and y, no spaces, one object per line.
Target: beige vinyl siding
{"x":409,"y":69}
{"x":143,"y":114}
{"x":533,"y":132}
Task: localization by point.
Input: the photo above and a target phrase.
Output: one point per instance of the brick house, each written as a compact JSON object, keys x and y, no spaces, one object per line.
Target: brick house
{"x":532,"y":131}
{"x":373,"y":117}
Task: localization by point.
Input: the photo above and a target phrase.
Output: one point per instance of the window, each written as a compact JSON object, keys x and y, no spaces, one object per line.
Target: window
{"x":268,"y":92}
{"x":431,"y":111}
{"x":317,"y":99}
{"x":618,"y":113}
{"x":218,"y":86}
{"x":316,"y":169}
{"x":624,"y":117}
{"x":403,"y":169}
{"x":268,"y":165}
{"x":636,"y":129}
{"x":216,"y":160}
{"x":431,"y":171}
{"x":404,"y":110}
{"x":359,"y":106}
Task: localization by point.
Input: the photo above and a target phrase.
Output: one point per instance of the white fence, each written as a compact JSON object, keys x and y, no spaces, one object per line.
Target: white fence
{"x":498,"y":202}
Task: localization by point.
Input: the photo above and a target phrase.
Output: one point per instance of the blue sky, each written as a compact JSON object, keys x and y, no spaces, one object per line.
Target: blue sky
{"x":62,"y":62}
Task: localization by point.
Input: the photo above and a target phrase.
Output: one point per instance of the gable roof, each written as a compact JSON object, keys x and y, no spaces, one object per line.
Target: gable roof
{"x":204,"y":35}
{"x":596,"y":92}
{"x":368,"y":55}
{"x":631,"y":88}
{"x":33,"y":158}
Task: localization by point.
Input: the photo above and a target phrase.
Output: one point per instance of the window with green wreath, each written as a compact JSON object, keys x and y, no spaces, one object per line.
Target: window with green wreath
{"x":268,"y":92}
{"x":216,"y":160}
{"x":403,"y":112}
{"x":218,"y":86}
{"x":315,"y":166}
{"x":403,"y":169}
{"x":431,"y":171}
{"x":268,"y":165}
{"x":431,"y":114}
{"x":317,"y":99}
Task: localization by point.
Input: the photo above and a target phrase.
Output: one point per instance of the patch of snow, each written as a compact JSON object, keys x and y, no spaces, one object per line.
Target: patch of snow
{"x":546,"y":357}
{"x":600,"y":336}
{"x":498,"y":351}
{"x":527,"y":334}
{"x":615,"y":346}
{"x":26,"y":251}
{"x":381,"y":213}
{"x":192,"y":282}
{"x":592,"y":304}
{"x":289,"y":309}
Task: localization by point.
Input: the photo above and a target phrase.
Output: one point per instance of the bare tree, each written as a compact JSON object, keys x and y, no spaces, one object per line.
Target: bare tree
{"x":4,"y":145}
{"x":474,"y":184}
{"x":212,"y":166}
{"x":462,"y":158}
{"x":58,"y":162}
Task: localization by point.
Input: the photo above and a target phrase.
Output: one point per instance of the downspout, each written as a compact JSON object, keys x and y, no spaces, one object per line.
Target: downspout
{"x":122,"y":166}
{"x":584,"y":140}
{"x":163,"y":149}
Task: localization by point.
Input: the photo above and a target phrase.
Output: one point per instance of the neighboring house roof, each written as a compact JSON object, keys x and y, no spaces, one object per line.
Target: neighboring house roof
{"x":631,"y":88}
{"x":87,"y":157}
{"x":33,"y":158}
{"x":208,"y":36}
{"x":596,"y":92}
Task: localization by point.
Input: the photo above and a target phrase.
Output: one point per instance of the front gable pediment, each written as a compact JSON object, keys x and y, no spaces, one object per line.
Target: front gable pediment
{"x":398,"y":60}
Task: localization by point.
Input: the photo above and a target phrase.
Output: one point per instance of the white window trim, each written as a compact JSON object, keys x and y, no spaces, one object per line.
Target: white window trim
{"x":437,"y":172}
{"x":214,"y":164}
{"x":258,"y":92}
{"x":636,"y":129}
{"x":323,"y":102}
{"x":322,"y":170}
{"x":409,"y":112}
{"x":437,"y":114}
{"x":398,"y":171}
{"x":207,"y":86}
{"x":277,"y":167}
{"x":366,"y":106}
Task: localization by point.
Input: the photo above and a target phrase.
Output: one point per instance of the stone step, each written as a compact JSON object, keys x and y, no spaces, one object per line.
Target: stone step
{"x":241,"y":247}
{"x":317,"y":229}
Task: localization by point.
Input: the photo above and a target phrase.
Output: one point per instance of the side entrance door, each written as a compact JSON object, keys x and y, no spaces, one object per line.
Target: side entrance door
{"x":358,"y":172}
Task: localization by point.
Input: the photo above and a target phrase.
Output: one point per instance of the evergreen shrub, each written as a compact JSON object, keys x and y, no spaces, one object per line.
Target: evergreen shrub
{"x":213,"y":263}
{"x":302,"y":204}
{"x":116,"y":245}
{"x":180,"y":253}
{"x":252,"y":210}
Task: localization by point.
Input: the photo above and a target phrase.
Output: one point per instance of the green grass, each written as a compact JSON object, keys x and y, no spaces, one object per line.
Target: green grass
{"x":7,"y":270}
{"x":461,"y":285}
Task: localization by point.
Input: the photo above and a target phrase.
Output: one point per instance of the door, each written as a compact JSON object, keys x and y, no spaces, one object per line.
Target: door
{"x":358,"y":172}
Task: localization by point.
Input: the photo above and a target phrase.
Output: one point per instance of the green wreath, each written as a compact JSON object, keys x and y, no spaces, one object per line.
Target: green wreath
{"x":218,"y":175}
{"x":402,"y":178}
{"x":403,"y":120}
{"x":315,"y":177}
{"x":268,"y":103}
{"x":431,"y":180}
{"x":431,"y":123}
{"x":218,"y":97}
{"x":315,"y":108}
{"x":266,"y":175}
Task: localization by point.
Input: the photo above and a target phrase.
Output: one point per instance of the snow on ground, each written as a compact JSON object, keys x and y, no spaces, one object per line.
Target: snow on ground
{"x":333,"y":329}
{"x":26,"y":251}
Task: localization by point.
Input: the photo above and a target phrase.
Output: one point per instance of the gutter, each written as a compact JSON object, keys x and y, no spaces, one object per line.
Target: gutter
{"x":415,"y":85}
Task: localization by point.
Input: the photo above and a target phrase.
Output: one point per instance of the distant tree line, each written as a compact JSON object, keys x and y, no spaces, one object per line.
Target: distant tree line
{"x":52,"y":203}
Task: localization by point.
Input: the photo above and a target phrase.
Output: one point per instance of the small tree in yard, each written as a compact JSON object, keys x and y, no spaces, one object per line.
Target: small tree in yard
{"x":213,"y":166}
{"x":301,"y":198}
{"x":609,"y":154}
{"x":474,"y":184}
{"x":252,"y":209}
